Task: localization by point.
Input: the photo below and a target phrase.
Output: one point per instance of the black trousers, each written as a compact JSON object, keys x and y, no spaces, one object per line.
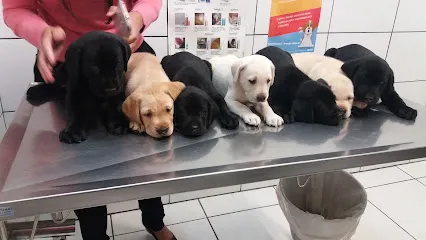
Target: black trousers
{"x":93,"y":221}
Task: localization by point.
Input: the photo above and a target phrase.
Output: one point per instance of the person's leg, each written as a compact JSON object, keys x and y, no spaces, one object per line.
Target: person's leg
{"x":152,"y":213}
{"x":93,"y":222}
{"x":152,"y":218}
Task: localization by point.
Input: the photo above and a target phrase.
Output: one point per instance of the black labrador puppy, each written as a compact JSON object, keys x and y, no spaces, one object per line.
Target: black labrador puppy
{"x":296,"y":97}
{"x":200,"y":103}
{"x":373,"y":79}
{"x":94,"y":67}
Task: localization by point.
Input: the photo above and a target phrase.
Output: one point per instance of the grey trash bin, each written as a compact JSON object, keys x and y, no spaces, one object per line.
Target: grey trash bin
{"x":325,"y":206}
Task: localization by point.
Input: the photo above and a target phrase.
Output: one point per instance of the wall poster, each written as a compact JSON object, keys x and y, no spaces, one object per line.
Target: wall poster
{"x":293,"y":25}
{"x":206,"y":28}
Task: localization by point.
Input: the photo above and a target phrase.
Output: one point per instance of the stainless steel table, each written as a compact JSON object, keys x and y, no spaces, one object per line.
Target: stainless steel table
{"x":38,"y":174}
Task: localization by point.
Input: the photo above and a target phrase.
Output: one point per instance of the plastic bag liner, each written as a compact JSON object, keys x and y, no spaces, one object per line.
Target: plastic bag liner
{"x":325,"y":206}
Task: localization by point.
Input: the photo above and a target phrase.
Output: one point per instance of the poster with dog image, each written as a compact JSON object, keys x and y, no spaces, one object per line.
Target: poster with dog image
{"x":293,"y":25}
{"x":206,"y":28}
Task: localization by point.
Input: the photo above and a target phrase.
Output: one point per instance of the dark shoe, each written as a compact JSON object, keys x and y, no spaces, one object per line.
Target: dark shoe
{"x":152,"y":233}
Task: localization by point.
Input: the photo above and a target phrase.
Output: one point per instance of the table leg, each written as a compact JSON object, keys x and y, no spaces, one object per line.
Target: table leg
{"x":3,"y":231}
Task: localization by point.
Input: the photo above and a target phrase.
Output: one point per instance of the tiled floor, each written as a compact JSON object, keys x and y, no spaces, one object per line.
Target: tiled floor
{"x":395,"y":211}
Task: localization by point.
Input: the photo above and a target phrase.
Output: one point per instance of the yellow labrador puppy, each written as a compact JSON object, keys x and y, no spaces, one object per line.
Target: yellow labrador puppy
{"x":329,"y":69}
{"x":150,"y":96}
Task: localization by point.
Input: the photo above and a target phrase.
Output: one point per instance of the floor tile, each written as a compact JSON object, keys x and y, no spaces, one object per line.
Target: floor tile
{"x":383,"y":165}
{"x":128,"y":222}
{"x":262,"y":184}
{"x":122,"y":206}
{"x":375,"y":225}
{"x":239,"y":201}
{"x":422,"y":180}
{"x":130,"y":205}
{"x":381,"y":176}
{"x":266,"y":223}
{"x":404,"y":203}
{"x":183,"y":212}
{"x":416,"y":169}
{"x":203,"y":193}
{"x":194,"y":230}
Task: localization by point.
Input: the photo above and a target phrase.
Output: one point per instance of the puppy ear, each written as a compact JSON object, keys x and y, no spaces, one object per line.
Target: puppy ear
{"x":126,"y":52}
{"x":350,"y":67}
{"x":165,"y":61}
{"x":272,"y":73}
{"x":323,"y":82}
{"x":236,"y":69}
{"x":174,"y":89}
{"x":302,"y":111}
{"x":131,"y":108}
{"x":331,"y":52}
{"x":213,"y":112}
{"x":209,"y":65}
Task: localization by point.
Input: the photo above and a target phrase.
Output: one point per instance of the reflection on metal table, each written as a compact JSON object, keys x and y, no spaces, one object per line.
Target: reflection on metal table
{"x":38,"y":174}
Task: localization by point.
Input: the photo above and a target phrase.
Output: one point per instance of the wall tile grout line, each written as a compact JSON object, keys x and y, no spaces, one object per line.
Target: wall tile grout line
{"x":393,"y":26}
{"x":254,"y":34}
{"x":215,"y":234}
{"x":392,"y":220}
{"x":329,"y":26}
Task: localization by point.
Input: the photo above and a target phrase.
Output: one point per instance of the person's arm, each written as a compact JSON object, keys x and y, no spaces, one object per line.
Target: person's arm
{"x":21,"y":16}
{"x":149,"y":10}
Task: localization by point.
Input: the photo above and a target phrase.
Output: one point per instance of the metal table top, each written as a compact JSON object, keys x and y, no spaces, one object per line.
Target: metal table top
{"x":38,"y":174}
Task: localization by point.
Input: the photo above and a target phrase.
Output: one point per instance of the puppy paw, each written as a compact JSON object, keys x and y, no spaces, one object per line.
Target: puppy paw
{"x":288,"y":118}
{"x":72,"y":135}
{"x":407,"y":113}
{"x":359,"y":113}
{"x":117,"y":128}
{"x":229,"y":121}
{"x":274,"y":120}
{"x":136,"y":127}
{"x":252,"y":119}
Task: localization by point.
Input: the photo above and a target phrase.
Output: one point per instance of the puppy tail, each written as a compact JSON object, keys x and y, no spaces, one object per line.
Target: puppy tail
{"x":331,"y":52}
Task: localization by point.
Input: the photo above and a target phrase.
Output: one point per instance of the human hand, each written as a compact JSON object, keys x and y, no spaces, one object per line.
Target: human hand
{"x":136,"y":22}
{"x":51,"y":45}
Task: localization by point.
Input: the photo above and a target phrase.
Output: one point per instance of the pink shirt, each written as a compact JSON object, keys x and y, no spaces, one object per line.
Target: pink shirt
{"x":28,"y":18}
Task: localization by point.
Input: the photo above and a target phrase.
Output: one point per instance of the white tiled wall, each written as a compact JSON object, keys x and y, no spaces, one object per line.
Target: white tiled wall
{"x":393,"y":29}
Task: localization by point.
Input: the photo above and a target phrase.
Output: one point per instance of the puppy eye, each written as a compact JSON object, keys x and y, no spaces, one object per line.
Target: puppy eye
{"x":268,"y":81}
{"x":350,"y":98}
{"x":148,"y":115}
{"x":252,"y":81}
{"x":168,"y":110}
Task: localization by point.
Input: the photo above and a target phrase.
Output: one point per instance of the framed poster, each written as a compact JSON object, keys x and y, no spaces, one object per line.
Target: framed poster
{"x":294,"y":24}
{"x":206,"y":28}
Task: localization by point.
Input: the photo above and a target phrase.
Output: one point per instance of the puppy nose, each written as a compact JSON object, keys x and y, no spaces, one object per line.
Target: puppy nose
{"x":261,"y":97}
{"x":195,"y":128}
{"x":162,"y":131}
{"x":341,"y":112}
{"x":369,"y":99}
